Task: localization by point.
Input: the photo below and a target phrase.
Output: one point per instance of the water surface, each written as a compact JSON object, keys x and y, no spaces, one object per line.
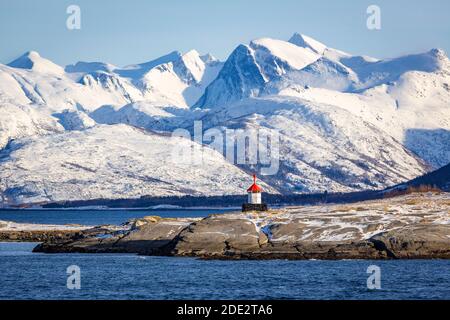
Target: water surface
{"x":26,"y":275}
{"x":99,"y":217}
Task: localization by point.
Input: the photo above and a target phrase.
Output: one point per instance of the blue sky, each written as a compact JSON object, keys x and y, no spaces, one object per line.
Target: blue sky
{"x":133,"y":31}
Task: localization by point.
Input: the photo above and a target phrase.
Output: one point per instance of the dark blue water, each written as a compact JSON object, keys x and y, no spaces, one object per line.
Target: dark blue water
{"x":26,"y":275}
{"x":98,"y":217}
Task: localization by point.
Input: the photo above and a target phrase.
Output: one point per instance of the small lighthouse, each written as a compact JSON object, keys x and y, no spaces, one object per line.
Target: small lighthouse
{"x":254,"y":202}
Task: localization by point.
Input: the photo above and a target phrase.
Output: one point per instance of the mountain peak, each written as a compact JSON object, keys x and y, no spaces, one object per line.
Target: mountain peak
{"x":32,"y":54}
{"x":441,"y":58}
{"x":32,"y":60}
{"x":192,"y":53}
{"x":438,"y":53}
{"x":25,"y":61}
{"x":304,"y":41}
{"x":193,"y":64}
{"x":137,"y":71}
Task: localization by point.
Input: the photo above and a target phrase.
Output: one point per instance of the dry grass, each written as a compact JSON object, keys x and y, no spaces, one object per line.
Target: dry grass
{"x":424,"y":188}
{"x":413,"y":189}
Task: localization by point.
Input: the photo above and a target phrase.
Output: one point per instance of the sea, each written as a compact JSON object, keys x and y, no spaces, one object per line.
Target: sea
{"x":28,"y":275}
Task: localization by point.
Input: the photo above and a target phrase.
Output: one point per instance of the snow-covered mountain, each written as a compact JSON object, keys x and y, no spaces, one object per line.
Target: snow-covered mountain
{"x":406,"y":98}
{"x":175,"y":79}
{"x":346,"y":123}
{"x":322,"y":147}
{"x":250,"y":67}
{"x":116,"y":161}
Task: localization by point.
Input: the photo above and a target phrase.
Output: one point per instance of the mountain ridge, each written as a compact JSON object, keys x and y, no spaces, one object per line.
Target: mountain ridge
{"x":346,"y":123}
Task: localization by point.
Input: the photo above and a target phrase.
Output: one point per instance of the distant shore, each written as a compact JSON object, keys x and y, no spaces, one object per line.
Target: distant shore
{"x":196,"y":202}
{"x":119,"y":209}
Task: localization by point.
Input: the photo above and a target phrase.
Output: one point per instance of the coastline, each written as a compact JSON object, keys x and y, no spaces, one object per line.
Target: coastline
{"x":415,"y":226}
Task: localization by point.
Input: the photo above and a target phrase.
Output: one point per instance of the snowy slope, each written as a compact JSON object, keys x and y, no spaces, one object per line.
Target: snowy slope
{"x":413,"y":109}
{"x":18,"y":121}
{"x":111,"y":162}
{"x":147,"y":115}
{"x":322,"y":147}
{"x":181,"y":82}
{"x":74,"y":120}
{"x":304,"y":41}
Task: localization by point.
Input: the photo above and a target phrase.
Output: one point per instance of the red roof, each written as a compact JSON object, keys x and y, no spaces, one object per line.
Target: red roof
{"x":254,"y":188}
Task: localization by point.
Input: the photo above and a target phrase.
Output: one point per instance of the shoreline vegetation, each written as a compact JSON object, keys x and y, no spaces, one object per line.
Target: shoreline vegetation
{"x":409,"y":226}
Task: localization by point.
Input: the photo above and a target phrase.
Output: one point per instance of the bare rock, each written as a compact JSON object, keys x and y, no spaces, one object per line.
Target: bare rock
{"x":136,"y":223}
{"x":149,"y":238}
{"x":321,"y":250}
{"x":415,"y":242}
{"x":38,"y":235}
{"x":217,"y":236}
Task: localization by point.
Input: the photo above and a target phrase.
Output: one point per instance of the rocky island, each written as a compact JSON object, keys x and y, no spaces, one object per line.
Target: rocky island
{"x":414,"y":226}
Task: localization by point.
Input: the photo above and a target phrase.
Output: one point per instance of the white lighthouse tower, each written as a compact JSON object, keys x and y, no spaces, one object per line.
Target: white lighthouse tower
{"x":254,"y":202}
{"x":254,"y":192}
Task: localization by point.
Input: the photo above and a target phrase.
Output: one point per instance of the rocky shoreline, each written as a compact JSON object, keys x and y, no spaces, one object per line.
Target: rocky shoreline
{"x":415,"y":226}
{"x":27,"y":232}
